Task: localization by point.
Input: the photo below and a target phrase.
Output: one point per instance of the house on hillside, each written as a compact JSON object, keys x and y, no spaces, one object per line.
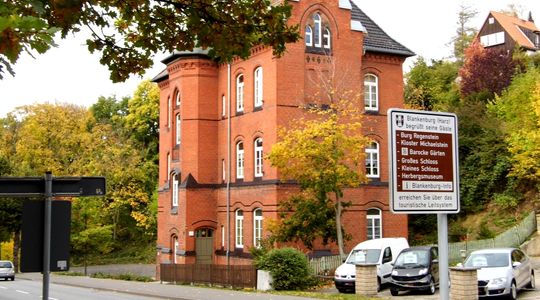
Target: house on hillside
{"x":505,"y":32}
{"x":218,"y":121}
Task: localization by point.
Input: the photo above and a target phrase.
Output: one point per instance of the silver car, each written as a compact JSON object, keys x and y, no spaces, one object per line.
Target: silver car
{"x":501,"y":271}
{"x":6,"y":270}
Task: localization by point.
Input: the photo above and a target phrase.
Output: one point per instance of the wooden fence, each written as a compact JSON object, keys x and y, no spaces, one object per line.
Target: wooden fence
{"x":222,"y":275}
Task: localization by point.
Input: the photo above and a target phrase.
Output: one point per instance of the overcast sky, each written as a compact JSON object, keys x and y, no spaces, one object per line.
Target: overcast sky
{"x":71,"y":74}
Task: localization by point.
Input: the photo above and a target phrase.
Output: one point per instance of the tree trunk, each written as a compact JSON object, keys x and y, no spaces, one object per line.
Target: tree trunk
{"x":339,"y":232}
{"x":16,"y":247}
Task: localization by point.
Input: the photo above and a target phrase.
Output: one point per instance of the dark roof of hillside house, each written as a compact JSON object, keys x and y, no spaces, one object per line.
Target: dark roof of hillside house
{"x":376,"y":40}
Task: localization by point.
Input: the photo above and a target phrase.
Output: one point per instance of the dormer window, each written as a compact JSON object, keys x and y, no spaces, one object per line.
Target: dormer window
{"x":317,"y":35}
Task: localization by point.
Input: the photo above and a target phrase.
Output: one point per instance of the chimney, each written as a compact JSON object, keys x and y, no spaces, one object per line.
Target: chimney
{"x":530,"y":17}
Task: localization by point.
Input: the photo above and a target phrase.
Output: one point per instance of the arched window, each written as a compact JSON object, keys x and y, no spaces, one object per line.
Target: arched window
{"x":326,"y":38}
{"x":372,"y":160}
{"x":371,"y":92}
{"x":374,"y":223}
{"x":239,"y":228}
{"x":258,"y":87}
{"x":178,"y":129}
{"x":317,"y":29}
{"x":240,"y":93}
{"x":258,"y":146}
{"x":178,"y":99}
{"x":174,"y":200}
{"x":240,"y":160}
{"x":257,"y":227}
{"x":309,"y":36}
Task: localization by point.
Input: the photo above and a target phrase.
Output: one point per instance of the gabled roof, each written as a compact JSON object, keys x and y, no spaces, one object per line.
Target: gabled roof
{"x":515,"y":27}
{"x":375,"y":39}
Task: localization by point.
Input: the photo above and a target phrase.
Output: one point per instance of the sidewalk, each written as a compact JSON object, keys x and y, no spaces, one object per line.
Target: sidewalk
{"x":156,"y":289}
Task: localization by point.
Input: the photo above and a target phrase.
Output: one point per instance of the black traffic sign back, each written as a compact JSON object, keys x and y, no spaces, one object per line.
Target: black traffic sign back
{"x":61,"y":186}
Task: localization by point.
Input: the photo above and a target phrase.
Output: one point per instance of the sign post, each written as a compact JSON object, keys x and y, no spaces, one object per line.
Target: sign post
{"x":48,"y":187}
{"x":424,"y":173}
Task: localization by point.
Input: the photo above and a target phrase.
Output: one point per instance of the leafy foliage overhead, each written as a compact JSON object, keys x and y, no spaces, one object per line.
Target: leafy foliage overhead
{"x":128,"y":33}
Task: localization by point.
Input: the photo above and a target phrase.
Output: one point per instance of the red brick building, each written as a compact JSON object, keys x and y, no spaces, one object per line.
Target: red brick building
{"x":217,"y":121}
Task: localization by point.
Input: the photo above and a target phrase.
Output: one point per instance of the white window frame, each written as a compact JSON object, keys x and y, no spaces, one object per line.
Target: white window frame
{"x":371,"y":92}
{"x":240,"y":93}
{"x":174,"y":201}
{"x":317,"y":25}
{"x":257,"y":227}
{"x":240,"y":160}
{"x":239,"y":228}
{"x":309,"y":36}
{"x":327,"y":36}
{"x":178,"y":99}
{"x":258,"y":87}
{"x":373,"y":159}
{"x":178,"y":129}
{"x":372,"y":220}
{"x":223,"y":106}
{"x":258,"y":157}
{"x":493,"y":39}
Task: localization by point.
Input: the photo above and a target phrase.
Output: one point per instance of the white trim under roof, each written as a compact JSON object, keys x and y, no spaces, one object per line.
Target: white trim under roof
{"x":357,"y":26}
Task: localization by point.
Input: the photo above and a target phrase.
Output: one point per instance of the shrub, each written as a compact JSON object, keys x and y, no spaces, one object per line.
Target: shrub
{"x":289,"y":269}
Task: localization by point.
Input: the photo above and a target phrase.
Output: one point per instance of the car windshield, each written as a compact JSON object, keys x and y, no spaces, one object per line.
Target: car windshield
{"x":412,"y":259}
{"x":364,"y":256}
{"x":488,"y":260}
{"x":5,"y":264}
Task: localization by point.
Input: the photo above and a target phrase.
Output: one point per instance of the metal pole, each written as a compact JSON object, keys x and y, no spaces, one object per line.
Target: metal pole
{"x":442,"y":224}
{"x":228,"y":218}
{"x":47,"y":235}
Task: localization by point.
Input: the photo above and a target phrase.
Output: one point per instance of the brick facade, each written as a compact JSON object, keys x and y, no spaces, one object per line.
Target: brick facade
{"x":209,"y":135}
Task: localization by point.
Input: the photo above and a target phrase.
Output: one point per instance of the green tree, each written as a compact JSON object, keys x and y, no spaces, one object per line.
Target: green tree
{"x":519,"y":108}
{"x":128,"y":33}
{"x":431,"y":87}
{"x":324,"y":154}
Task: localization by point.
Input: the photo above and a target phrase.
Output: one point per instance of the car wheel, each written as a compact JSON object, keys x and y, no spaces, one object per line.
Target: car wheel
{"x":532,"y":283}
{"x":431,"y":290}
{"x":378,"y":284}
{"x":513,"y":291}
{"x":394,"y":292}
{"x":12,"y":278}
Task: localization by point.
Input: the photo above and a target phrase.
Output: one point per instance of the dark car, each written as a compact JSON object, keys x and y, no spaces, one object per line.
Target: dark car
{"x":416,"y":268}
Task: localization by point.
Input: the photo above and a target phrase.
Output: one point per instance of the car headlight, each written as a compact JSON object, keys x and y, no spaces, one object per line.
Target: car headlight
{"x":394,"y":273}
{"x":423,"y":271}
{"x":498,"y":281}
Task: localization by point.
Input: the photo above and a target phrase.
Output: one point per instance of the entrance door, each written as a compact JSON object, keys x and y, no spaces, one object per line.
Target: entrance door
{"x":204,"y":245}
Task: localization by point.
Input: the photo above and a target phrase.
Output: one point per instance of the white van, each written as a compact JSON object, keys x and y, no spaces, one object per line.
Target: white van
{"x":382,"y":252}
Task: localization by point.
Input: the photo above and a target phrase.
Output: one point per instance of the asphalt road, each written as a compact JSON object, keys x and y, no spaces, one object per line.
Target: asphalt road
{"x":29,"y":290}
